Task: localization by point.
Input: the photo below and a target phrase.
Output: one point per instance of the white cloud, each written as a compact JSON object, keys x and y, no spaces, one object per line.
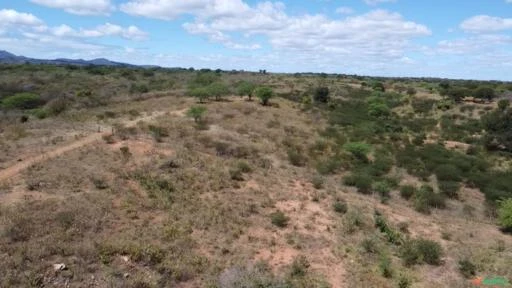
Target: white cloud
{"x":378,"y":33}
{"x":89,"y":7}
{"x":377,"y":2}
{"x":485,"y":23}
{"x":171,"y":9}
{"x":131,"y":32}
{"x":13,"y":17}
{"x":344,"y":10}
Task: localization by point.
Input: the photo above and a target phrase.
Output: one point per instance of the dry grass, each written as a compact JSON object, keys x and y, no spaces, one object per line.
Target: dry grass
{"x":168,"y":212}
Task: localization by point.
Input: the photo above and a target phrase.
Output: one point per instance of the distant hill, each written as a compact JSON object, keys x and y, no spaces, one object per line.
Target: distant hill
{"x":9,"y":58}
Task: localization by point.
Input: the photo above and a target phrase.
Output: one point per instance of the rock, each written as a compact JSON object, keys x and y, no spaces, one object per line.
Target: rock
{"x":125,"y":258}
{"x":126,"y":275}
{"x":59,"y":267}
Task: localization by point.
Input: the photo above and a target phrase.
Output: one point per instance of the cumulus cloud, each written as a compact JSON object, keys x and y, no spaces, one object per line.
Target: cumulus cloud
{"x":171,"y":9}
{"x":108,"y":29}
{"x":13,"y":17}
{"x":376,"y":34}
{"x":89,"y":7}
{"x":485,"y":23}
{"x":377,"y":2}
{"x":344,"y":10}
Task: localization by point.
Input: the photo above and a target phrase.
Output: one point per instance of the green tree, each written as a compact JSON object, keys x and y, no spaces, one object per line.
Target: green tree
{"x":197,"y":113}
{"x":217,"y":90}
{"x":505,"y":214}
{"x":378,"y":86}
{"x":486,"y":93}
{"x":503,"y":104}
{"x":498,"y":127}
{"x":411,"y":91}
{"x":246,"y":88}
{"x":201,"y":93}
{"x":264,"y":93}
{"x":321,"y":94}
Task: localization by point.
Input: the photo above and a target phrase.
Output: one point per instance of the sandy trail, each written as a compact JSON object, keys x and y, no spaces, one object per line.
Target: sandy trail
{"x":10,"y":172}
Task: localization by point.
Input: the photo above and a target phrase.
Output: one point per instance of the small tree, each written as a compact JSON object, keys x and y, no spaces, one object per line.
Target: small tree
{"x":196,"y":112}
{"x":201,"y":93}
{"x":218,"y":90}
{"x":321,"y":94}
{"x":264,"y":93}
{"x":485,"y":93}
{"x":378,"y":86}
{"x":503,"y":104}
{"x":411,"y":91}
{"x":505,"y":214}
{"x":246,"y":89}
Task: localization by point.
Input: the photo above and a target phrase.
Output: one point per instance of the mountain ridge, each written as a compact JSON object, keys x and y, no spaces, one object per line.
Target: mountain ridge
{"x":10,"y":58}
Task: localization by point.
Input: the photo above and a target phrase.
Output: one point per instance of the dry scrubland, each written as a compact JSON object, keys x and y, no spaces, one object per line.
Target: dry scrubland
{"x":369,"y":189}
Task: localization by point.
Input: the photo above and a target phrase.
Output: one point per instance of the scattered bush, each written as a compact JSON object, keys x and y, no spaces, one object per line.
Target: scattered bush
{"x":264,"y":93}
{"x":382,"y":188}
{"x":296,"y":157}
{"x":407,"y":191}
{"x":299,"y":267}
{"x":425,"y":198}
{"x":279,"y":219}
{"x":467,"y":268}
{"x":321,"y":94}
{"x":420,"y":251}
{"x":505,"y":214}
{"x":370,"y":245}
{"x":352,"y":221}
{"x":358,"y":149}
{"x":340,"y":206}
{"x":22,"y":101}
{"x":404,"y":281}
{"x":362,"y":182}
{"x":197,"y":113}
{"x":385,"y":266}
{"x":318,"y":182}
{"x":449,"y":188}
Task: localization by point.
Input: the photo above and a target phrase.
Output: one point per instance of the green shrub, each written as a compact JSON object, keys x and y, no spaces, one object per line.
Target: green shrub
{"x":418,"y":251}
{"x":362,"y":182}
{"x":392,"y":236}
{"x":352,"y":221}
{"x":264,"y":93}
{"x":425,"y":198}
{"x":299,"y":267}
{"x":340,"y":206}
{"x":385,"y":266}
{"x":382,"y":188}
{"x":404,"y":281}
{"x":197,"y":113}
{"x":40,"y":113}
{"x":296,"y":157}
{"x":505,"y":214}
{"x":407,"y":191}
{"x":279,"y":219}
{"x":22,"y":101}
{"x":370,"y":245}
{"x":467,"y":268}
{"x":329,"y":165}
{"x":449,"y":188}
{"x":358,"y":149}
{"x":318,"y":182}
{"x":448,"y":172}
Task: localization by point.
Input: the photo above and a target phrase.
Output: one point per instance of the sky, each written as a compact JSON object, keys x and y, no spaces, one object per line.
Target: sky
{"x":462,"y":39}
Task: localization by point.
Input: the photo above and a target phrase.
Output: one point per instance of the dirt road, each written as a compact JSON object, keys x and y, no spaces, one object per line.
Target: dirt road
{"x":10,"y":172}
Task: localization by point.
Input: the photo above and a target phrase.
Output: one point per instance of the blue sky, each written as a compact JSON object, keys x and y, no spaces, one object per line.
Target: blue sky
{"x":450,"y":38}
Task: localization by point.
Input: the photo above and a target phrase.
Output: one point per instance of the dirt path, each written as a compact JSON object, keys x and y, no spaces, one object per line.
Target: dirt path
{"x":12,"y":171}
